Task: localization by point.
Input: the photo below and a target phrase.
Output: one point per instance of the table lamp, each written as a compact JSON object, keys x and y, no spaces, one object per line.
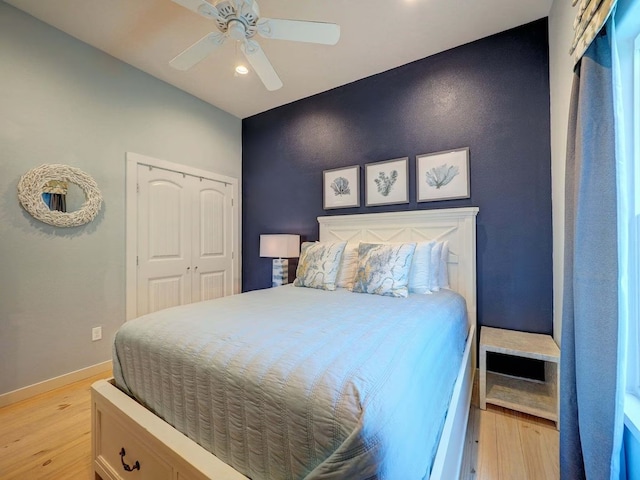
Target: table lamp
{"x":280,"y":247}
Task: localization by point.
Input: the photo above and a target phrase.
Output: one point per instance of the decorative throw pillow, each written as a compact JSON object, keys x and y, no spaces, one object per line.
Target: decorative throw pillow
{"x":419,"y":275}
{"x":443,"y":273}
{"x":434,"y":271}
{"x":318,"y":265}
{"x":383,"y":269}
{"x":348,"y":266}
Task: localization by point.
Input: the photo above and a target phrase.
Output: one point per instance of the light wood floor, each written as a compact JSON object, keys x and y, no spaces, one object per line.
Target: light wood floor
{"x":507,"y":445}
{"x":49,"y":437}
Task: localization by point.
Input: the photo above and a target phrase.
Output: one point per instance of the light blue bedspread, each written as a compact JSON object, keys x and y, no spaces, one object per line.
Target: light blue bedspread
{"x":302,"y":383}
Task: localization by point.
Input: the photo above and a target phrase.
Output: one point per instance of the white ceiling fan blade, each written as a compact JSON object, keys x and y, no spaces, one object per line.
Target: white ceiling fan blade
{"x":200,"y":7}
{"x":249,"y":3}
{"x":299,"y":31}
{"x":261,"y":64}
{"x":198,"y":51}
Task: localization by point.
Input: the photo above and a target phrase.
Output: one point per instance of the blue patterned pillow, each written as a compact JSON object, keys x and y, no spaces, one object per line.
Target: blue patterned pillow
{"x":319,"y":264}
{"x":383,"y":269}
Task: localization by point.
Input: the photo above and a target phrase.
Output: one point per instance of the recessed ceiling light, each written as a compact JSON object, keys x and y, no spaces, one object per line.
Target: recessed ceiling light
{"x":242,"y":70}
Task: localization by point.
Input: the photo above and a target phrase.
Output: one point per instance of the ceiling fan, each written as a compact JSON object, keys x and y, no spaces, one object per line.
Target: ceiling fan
{"x":240,"y":20}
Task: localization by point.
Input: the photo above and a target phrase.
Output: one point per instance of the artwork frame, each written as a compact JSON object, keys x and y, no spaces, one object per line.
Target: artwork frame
{"x":383,"y":186}
{"x":435,"y":182}
{"x":337,"y":194}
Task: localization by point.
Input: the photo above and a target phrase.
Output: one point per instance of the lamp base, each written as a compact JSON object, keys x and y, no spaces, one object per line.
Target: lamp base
{"x":280,"y":273}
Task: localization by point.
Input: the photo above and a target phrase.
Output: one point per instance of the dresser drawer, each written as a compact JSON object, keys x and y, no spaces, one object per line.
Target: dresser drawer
{"x":122,"y":455}
{"x":161,"y":451}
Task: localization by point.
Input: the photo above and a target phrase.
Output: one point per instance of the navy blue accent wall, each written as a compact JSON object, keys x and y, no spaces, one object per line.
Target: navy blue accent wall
{"x":491,"y":95}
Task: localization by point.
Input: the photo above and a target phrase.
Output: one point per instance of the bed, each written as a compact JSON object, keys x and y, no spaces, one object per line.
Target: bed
{"x":348,"y":430}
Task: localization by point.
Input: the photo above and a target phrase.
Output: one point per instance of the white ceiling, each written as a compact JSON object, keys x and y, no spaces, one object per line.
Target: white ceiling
{"x":376,"y":35}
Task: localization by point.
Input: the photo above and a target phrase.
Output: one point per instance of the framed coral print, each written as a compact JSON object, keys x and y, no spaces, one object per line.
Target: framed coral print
{"x":443,"y":175}
{"x":387,"y":183}
{"x":341,"y":187}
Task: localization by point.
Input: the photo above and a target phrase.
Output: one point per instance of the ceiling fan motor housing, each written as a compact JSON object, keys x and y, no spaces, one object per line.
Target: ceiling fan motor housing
{"x":244,"y":12}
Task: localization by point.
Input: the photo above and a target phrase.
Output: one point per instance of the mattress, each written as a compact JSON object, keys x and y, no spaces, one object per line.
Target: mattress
{"x":302,"y":383}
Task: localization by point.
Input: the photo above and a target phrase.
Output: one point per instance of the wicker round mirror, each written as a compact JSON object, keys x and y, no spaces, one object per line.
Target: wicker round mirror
{"x":54,"y":179}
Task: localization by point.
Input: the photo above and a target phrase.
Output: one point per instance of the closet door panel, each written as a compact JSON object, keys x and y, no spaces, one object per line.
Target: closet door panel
{"x":164,"y":240}
{"x":212,"y":240}
{"x":212,"y":285}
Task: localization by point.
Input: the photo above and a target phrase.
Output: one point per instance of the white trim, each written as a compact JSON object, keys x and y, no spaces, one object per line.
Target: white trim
{"x":632,"y":414}
{"x":131,"y":234}
{"x":636,"y":118}
{"x":53,"y":383}
{"x":628,"y":46}
{"x":631,"y":217}
{"x":634,"y":235}
{"x":627,"y":78}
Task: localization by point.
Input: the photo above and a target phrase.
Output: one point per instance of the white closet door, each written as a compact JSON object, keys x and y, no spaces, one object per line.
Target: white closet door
{"x":184,"y":239}
{"x":211,"y":240}
{"x":164,"y":239}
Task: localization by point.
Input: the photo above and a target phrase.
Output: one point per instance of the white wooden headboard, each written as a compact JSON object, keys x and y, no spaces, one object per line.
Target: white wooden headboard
{"x":457,"y":225}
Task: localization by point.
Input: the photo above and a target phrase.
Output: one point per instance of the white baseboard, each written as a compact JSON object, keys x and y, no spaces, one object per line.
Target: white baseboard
{"x":53,"y":383}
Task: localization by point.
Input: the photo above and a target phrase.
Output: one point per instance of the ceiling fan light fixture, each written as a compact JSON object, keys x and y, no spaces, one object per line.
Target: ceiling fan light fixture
{"x":207,"y":10}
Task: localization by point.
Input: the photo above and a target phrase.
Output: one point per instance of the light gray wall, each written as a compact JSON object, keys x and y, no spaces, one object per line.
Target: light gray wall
{"x":561,"y":77}
{"x":63,"y":101}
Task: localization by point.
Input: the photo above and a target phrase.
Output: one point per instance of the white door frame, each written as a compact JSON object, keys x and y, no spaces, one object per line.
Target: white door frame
{"x":131,"y":226}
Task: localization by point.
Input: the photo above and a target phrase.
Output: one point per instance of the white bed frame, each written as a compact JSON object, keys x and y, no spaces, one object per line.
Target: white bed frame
{"x":161,"y":452}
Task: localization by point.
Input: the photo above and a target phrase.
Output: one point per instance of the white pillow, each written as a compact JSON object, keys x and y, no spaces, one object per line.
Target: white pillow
{"x":348,"y":266}
{"x":434,"y":270}
{"x":443,"y":273}
{"x":318,"y":265}
{"x":383,"y":269}
{"x":419,"y":276}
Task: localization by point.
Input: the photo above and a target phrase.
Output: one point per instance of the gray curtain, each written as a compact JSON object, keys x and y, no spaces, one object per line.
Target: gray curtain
{"x":590,"y":421}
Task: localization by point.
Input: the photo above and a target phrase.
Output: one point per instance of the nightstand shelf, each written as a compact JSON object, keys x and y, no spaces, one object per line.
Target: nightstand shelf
{"x":524,"y":395}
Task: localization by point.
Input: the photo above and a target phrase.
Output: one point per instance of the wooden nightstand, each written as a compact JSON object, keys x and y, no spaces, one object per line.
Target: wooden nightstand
{"x":525,"y":395}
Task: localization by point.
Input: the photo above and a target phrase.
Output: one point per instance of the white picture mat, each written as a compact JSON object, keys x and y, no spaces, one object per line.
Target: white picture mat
{"x":330,"y":199}
{"x":458,"y":187}
{"x":399,"y":191}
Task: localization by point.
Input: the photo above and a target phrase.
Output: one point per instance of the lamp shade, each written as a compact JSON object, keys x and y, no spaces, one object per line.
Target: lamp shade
{"x":280,"y":246}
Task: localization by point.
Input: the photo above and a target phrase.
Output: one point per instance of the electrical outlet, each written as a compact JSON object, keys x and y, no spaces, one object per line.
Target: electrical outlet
{"x":96,"y":334}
